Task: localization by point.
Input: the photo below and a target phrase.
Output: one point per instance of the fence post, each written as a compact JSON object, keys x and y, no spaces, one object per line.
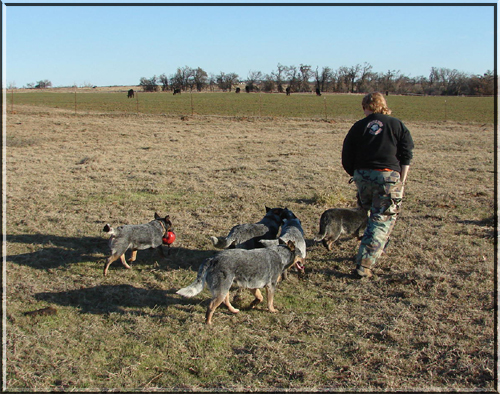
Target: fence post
{"x":75,"y":99}
{"x":326,"y":115}
{"x":137,"y":100}
{"x":192,"y":107}
{"x":12,"y":102}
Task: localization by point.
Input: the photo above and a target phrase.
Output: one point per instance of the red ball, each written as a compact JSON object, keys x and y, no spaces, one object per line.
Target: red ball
{"x":169,"y":238}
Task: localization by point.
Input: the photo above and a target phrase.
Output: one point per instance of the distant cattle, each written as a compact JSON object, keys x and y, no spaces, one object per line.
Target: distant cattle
{"x":238,"y":90}
{"x":318,"y":92}
{"x":288,"y":91}
{"x":130,"y":93}
{"x":177,"y":91}
{"x":247,"y":89}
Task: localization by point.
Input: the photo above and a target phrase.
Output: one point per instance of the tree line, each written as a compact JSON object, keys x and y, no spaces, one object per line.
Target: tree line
{"x":354,"y":79}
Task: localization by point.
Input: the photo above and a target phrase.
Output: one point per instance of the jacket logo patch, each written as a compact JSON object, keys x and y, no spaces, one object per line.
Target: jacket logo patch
{"x":375,"y":127}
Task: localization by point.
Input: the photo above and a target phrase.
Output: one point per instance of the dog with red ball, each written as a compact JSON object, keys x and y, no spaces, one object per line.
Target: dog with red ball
{"x":154,"y":234}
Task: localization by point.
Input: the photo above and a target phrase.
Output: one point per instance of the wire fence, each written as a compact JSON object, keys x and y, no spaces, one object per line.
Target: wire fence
{"x":327,"y":107}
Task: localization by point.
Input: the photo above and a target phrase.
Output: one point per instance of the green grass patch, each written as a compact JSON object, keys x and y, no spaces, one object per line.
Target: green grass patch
{"x":326,"y":107}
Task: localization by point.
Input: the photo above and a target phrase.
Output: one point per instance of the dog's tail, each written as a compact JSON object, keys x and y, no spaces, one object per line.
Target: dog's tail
{"x":222,"y":242}
{"x":322,"y":231}
{"x":108,"y":229}
{"x":319,"y":237}
{"x":321,"y":234}
{"x":199,"y":283}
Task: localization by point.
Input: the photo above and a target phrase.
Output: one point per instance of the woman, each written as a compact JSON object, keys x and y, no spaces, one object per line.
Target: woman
{"x":377,"y":153}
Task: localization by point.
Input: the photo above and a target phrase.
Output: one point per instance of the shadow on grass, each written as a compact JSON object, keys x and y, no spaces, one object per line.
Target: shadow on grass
{"x":176,"y":258}
{"x":334,"y":268}
{"x":184,"y":258}
{"x":489,"y":223}
{"x":105,"y":299}
{"x":336,"y":263}
{"x":56,"y":252}
{"x":115,"y":298}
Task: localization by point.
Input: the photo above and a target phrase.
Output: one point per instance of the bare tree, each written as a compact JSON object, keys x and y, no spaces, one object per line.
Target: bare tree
{"x":43,"y":84}
{"x":342,"y":77}
{"x":200,"y":78}
{"x":181,"y":79}
{"x":434,"y":81}
{"x":226,"y":81}
{"x":268,"y":83}
{"x":483,"y":84}
{"x":305,"y":72}
{"x":364,"y":78}
{"x":352,"y":75}
{"x":387,"y":81}
{"x":326,"y":78}
{"x":222,"y":81}
{"x":164,"y":82}
{"x":279,"y":77}
{"x":293,"y":78}
{"x":149,"y":85}
{"x":212,"y":82}
{"x":254,"y":80}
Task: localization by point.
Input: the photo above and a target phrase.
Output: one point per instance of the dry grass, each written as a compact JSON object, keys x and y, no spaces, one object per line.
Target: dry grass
{"x":425,"y":322}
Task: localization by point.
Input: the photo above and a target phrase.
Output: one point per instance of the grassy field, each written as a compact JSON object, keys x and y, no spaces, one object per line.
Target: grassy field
{"x":328,"y":106}
{"x":425,"y":322}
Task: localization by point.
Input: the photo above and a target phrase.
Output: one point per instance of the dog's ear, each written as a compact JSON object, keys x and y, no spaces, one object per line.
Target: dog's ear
{"x":291,"y":245}
{"x":168,"y":222}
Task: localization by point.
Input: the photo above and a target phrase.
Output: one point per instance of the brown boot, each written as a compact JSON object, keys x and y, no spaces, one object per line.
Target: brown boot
{"x":362,"y":272}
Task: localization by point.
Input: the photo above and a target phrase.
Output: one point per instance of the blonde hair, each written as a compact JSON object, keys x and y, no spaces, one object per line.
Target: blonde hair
{"x":375,"y":102}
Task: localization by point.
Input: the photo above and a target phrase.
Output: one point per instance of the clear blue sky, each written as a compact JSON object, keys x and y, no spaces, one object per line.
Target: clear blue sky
{"x":119,"y":44}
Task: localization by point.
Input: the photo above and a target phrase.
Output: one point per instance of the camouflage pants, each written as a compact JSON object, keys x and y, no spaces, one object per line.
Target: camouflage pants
{"x":380,"y":193}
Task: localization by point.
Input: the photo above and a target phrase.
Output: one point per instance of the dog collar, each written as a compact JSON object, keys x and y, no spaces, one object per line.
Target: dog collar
{"x":163,"y":226}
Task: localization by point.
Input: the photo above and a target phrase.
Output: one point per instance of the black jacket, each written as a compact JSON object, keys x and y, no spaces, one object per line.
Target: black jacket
{"x":377,"y":142}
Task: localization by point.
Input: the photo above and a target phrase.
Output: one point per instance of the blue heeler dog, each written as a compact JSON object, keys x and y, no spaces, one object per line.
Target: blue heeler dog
{"x":136,"y":237}
{"x":337,"y":221}
{"x":247,"y":236}
{"x":291,"y":230}
{"x":251,"y":269}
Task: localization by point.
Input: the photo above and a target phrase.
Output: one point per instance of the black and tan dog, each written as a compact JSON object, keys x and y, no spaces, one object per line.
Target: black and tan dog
{"x":136,"y":237}
{"x":337,"y":221}
{"x":248,"y":235}
{"x":247,"y":269}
